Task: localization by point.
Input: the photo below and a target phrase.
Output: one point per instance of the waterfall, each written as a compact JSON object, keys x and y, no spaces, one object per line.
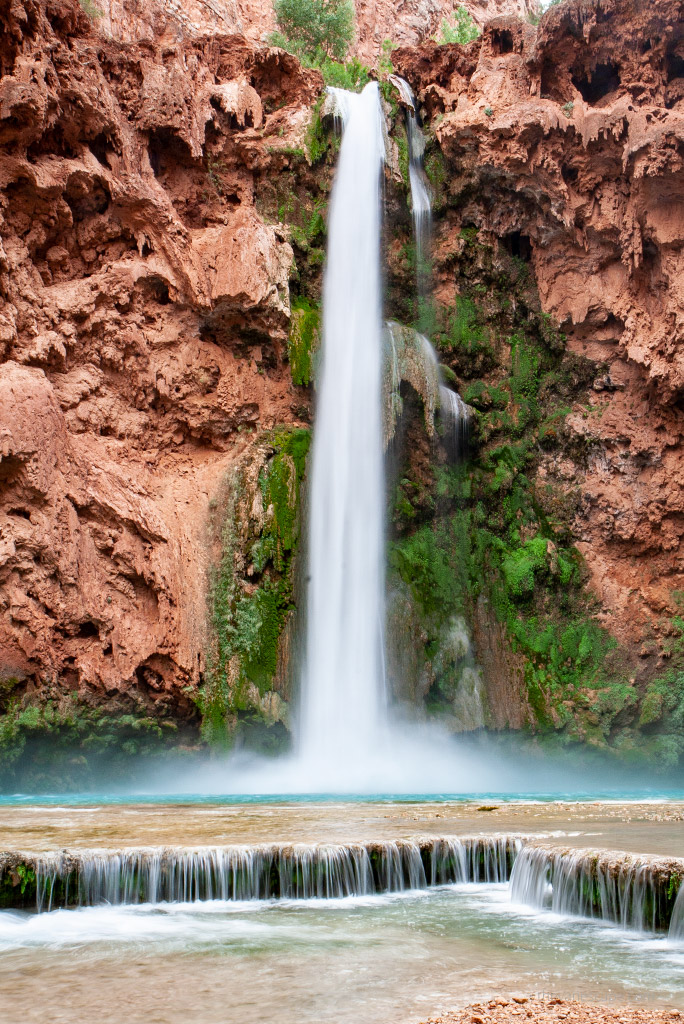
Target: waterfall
{"x":453,"y":410}
{"x":260,"y":872}
{"x":633,"y":892}
{"x":677,"y":919}
{"x":343,"y":682}
{"x":455,"y":421}
{"x":421,"y":205}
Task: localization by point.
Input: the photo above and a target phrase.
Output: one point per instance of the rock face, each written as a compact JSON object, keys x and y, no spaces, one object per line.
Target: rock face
{"x":143,"y":322}
{"x":406,"y":24}
{"x":567,"y":143}
{"x":147,"y":174}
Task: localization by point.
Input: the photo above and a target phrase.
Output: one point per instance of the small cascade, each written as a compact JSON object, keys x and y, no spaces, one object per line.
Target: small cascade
{"x":82,"y":878}
{"x":421,"y":204}
{"x":409,"y":357}
{"x":633,"y":892}
{"x":456,"y":422}
{"x":676,"y":931}
{"x":453,"y":410}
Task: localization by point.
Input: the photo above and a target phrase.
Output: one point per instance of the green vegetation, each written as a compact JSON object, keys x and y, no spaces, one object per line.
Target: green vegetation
{"x":319,"y":33}
{"x":303,"y":340}
{"x":315,"y":27}
{"x":498,"y":542}
{"x":460,"y":28}
{"x":252,"y":595}
{"x":91,"y":9}
{"x":66,"y":745}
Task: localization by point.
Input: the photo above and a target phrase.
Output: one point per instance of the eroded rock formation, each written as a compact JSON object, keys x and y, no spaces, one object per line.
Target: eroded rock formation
{"x":566,"y":143}
{"x":145,"y":311}
{"x":406,"y":24}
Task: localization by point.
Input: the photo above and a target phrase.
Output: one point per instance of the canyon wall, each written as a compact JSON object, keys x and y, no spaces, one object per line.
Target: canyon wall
{"x":163,"y":185}
{"x":406,"y":23}
{"x":564,"y":147}
{"x":144,"y":322}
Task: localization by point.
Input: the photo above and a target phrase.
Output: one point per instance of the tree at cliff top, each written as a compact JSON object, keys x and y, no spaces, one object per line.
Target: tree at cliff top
{"x":460,"y":29}
{"x":315,"y":28}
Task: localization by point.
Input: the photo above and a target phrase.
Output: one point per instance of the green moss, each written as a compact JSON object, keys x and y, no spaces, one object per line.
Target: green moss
{"x":318,"y":136}
{"x":303,"y":340}
{"x":66,"y":745}
{"x":401,"y":140}
{"x":252,"y":592}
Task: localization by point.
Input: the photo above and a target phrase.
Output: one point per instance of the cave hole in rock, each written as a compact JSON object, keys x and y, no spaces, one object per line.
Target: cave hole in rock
{"x":569,"y":174}
{"x":108,"y":650}
{"x":156,"y":289}
{"x":87,"y":630}
{"x":98,"y":147}
{"x":150,"y":676}
{"x":550,"y":88}
{"x":21,"y":512}
{"x":229,"y":118}
{"x":10,"y":468}
{"x":53,"y":142}
{"x":166,"y":151}
{"x":86,"y":197}
{"x":674,"y":61}
{"x":601,"y":81}
{"x":502,"y":41}
{"x":518,"y":245}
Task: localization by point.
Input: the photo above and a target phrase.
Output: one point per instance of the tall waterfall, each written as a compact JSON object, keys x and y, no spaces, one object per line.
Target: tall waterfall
{"x":343,"y":684}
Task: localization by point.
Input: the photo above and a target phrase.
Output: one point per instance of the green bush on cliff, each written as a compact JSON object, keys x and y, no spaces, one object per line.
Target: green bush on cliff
{"x":68,"y":745}
{"x":315,"y":28}
{"x":460,"y":28}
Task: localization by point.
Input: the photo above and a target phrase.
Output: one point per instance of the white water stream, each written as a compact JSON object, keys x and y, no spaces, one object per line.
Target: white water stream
{"x":343,"y":684}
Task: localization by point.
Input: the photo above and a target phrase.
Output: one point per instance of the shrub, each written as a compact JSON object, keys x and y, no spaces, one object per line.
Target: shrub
{"x":313,"y":27}
{"x":460,"y":29}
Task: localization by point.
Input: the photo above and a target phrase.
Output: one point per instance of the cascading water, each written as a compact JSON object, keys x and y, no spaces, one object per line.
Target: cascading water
{"x":453,"y":410}
{"x":633,"y":892}
{"x":262,"y":872}
{"x":343,"y":685}
{"x":421,"y":205}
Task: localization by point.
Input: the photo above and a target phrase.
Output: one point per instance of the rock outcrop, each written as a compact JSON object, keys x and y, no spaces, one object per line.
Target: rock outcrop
{"x":406,"y":24}
{"x":143,"y":326}
{"x":567,"y":143}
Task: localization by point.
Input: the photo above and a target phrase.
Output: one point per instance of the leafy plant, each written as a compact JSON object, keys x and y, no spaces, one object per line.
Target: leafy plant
{"x":311,"y":28}
{"x":461,"y":28}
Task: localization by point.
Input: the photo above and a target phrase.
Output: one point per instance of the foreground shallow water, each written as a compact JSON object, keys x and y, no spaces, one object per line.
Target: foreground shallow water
{"x":381,"y":960}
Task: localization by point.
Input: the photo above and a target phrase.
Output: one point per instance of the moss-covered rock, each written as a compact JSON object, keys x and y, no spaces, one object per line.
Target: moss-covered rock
{"x":252,"y":589}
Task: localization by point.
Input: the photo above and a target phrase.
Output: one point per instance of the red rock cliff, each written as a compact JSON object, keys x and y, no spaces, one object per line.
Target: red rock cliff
{"x":570,"y":139}
{"x":143,"y":319}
